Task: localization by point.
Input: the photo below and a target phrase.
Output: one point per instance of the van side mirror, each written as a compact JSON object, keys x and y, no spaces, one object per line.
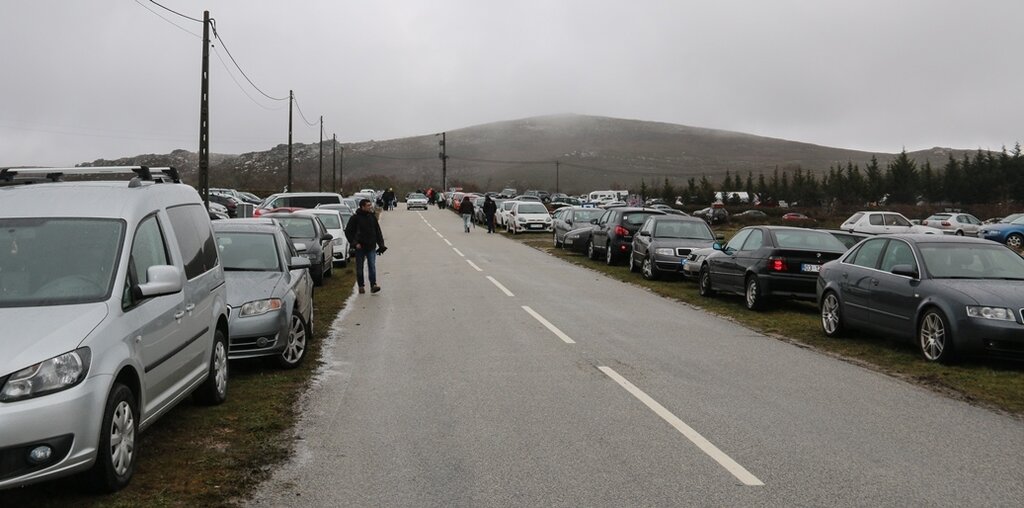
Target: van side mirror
{"x":163,"y":280}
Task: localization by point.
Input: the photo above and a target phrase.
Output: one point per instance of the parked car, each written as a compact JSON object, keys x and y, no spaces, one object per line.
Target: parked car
{"x":335,"y":224}
{"x":102,"y":339}
{"x":312,"y":240}
{"x":796,"y":218}
{"x":613,"y":233}
{"x":217,"y":211}
{"x":250,"y":198}
{"x":880,"y":223}
{"x":296,"y":200}
{"x":416,"y":200}
{"x":668,"y":209}
{"x":528,"y":216}
{"x":751,"y":215}
{"x":956,"y":223}
{"x":847,"y":238}
{"x":503,"y":213}
{"x":664,"y":241}
{"x":270,"y":291}
{"x":1011,"y":234}
{"x":951,"y":296}
{"x":343,"y":209}
{"x":508,"y":193}
{"x":571,"y":217}
{"x":713,"y":214}
{"x":693,"y":262}
{"x":766,"y":262}
{"x":226,"y":201}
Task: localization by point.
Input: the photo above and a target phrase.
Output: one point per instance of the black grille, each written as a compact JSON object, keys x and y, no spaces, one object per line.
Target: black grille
{"x":14,"y":459}
{"x":682,"y":252}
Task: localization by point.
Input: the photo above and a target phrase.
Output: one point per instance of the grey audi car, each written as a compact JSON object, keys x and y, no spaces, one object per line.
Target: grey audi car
{"x":270,"y":291}
{"x":949,"y":295}
{"x":664,"y":241}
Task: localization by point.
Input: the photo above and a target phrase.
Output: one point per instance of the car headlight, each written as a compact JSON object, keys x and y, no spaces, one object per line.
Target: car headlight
{"x":664,"y":252}
{"x":522,"y":219}
{"x":338,"y":241}
{"x":258,"y":307}
{"x":997,"y":313}
{"x":53,"y":375}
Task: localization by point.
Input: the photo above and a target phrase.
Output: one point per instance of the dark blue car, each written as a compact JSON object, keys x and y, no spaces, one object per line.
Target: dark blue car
{"x":1011,"y":234}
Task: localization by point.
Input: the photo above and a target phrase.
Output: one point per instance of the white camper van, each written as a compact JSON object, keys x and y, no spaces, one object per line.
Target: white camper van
{"x":606,"y":196}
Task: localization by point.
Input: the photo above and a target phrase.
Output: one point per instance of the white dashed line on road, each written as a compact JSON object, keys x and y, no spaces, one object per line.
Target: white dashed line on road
{"x":439,"y":235}
{"x":474,"y":266}
{"x":502,"y":288}
{"x":457,"y":251}
{"x":718,"y":455}
{"x":446,"y":241}
{"x":547,"y":324}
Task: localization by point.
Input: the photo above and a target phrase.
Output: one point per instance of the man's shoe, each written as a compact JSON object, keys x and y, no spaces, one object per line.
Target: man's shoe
{"x":362,"y":290}
{"x":375,"y":289}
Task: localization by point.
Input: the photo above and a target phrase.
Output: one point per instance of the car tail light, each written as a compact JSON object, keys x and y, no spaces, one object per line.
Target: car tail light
{"x":777,"y":264}
{"x":945,"y":223}
{"x":256,"y":212}
{"x":924,"y":223}
{"x":624,"y":247}
{"x":621,"y":231}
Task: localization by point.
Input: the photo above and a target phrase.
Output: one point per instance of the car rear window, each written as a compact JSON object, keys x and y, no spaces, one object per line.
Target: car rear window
{"x":939,"y":216}
{"x":298,"y":227}
{"x":807,"y":240}
{"x":636,"y":218}
{"x":586,"y":215}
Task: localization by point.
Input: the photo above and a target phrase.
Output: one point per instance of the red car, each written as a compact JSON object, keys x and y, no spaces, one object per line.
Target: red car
{"x":796,"y":217}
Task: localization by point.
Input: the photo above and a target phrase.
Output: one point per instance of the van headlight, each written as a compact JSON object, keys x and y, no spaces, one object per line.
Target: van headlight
{"x":53,"y":375}
{"x":997,"y":313}
{"x":258,"y":307}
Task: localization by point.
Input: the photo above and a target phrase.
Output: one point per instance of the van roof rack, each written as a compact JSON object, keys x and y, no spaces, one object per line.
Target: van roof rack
{"x":144,"y":173}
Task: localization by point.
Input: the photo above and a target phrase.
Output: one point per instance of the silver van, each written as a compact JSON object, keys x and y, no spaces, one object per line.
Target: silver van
{"x":113,"y":305}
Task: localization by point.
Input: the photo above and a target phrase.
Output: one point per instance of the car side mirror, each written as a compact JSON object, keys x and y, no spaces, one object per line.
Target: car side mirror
{"x":299,"y":246}
{"x":593,"y":221}
{"x":717,"y":246}
{"x":904,"y":270}
{"x":163,"y":280}
{"x":327,"y":237}
{"x":568,"y":222}
{"x":645,"y":233}
{"x":298,"y":263}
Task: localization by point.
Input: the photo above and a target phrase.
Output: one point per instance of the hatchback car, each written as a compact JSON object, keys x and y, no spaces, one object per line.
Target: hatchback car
{"x":614,"y":230}
{"x":312,"y":240}
{"x":881,"y":223}
{"x":528,"y":216}
{"x":955,"y":223}
{"x":765,"y":262}
{"x":416,"y":200}
{"x":664,"y":241}
{"x":1012,"y":234}
{"x":569,"y":218}
{"x":270,"y":291}
{"x":103,"y":339}
{"x":949,"y":295}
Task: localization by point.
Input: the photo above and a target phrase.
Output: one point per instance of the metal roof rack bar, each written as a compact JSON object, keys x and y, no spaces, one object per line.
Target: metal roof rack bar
{"x":143,"y":172}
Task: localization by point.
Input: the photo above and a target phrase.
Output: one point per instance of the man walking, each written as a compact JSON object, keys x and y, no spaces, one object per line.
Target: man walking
{"x":363,"y":232}
{"x":490,"y":208}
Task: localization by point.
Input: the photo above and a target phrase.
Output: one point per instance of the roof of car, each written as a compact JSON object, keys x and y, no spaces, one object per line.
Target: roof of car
{"x":255,"y":225}
{"x":927,"y":238}
{"x":107,"y":199}
{"x":674,"y":217}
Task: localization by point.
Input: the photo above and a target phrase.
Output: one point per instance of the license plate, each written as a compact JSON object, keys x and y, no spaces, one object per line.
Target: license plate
{"x":536,"y":226}
{"x":810,"y":268}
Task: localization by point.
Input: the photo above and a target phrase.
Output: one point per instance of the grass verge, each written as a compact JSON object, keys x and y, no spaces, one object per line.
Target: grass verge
{"x":212,"y":456}
{"x":988,"y":382}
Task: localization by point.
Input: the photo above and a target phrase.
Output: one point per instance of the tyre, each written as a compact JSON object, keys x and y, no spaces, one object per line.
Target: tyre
{"x":298,"y":337}
{"x":317,"y":271}
{"x":934,"y":338}
{"x":1015,"y":240}
{"x":591,"y":251}
{"x":330,"y":267}
{"x":648,"y":270}
{"x":753,"y":298}
{"x":704,"y":282}
{"x":633,"y":267}
{"x":214,"y":390}
{"x":831,"y":317}
{"x":115,"y":455}
{"x":960,"y":232}
{"x":609,"y":255}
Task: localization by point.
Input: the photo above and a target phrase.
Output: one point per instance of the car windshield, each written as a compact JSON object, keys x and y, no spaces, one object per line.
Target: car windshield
{"x":37,"y":268}
{"x":532,"y":208}
{"x":682,"y":229}
{"x":330,"y":220}
{"x":586,"y":215}
{"x":298,"y":227}
{"x":971,"y":261}
{"x":807,"y":240}
{"x":256,"y":252}
{"x":417,"y":196}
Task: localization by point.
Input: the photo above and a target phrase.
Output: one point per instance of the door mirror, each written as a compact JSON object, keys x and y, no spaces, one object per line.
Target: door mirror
{"x":327,"y":237}
{"x":645,"y":233}
{"x":568,"y":222}
{"x":298,"y":263}
{"x":593,"y":221}
{"x":299,"y":246}
{"x":717,"y":246}
{"x":163,"y":280}
{"x":905,"y":270}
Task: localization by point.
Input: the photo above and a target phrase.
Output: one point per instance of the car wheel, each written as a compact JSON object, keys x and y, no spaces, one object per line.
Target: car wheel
{"x":933,"y":335}
{"x":1015,"y":240}
{"x":317,"y":272}
{"x":115,"y":455}
{"x":754,"y":300}
{"x":648,"y":270}
{"x":704,"y":282}
{"x":330,"y":268}
{"x":295,"y":349}
{"x":960,"y":232}
{"x":591,"y":251}
{"x":214,"y":390}
{"x":831,"y":319}
{"x":609,"y":255}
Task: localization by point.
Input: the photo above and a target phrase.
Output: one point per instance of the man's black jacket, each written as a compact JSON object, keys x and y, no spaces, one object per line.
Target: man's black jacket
{"x":364,"y":229}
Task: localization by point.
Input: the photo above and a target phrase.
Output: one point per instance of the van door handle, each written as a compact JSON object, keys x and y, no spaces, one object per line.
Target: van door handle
{"x":179,"y":314}
{"x":190,"y":307}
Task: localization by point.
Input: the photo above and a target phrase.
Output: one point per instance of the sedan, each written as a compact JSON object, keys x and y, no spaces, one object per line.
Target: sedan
{"x":948,"y":295}
{"x":312,"y":240}
{"x":269,"y":291}
{"x":571,"y":217}
{"x":1011,"y":234}
{"x":416,"y":200}
{"x":764,"y":262}
{"x":665,"y":241}
{"x":335,"y":225}
{"x":751,"y":215}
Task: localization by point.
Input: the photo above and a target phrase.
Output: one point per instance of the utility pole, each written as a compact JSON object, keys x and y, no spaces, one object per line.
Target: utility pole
{"x":556,"y":176}
{"x":444,"y":163}
{"x":204,"y":115}
{"x":291,"y":99}
{"x":320,"y":186}
{"x":334,"y":163}
{"x":341,"y":172}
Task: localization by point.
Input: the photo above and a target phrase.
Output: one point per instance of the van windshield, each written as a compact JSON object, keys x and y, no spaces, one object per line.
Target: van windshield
{"x":58,"y":261}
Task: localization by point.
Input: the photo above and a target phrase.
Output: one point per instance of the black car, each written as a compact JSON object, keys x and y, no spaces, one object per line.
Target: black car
{"x":762,"y":262}
{"x":949,"y":295}
{"x":613,"y":233}
{"x":227,"y":201}
{"x":578,"y":240}
{"x":568,"y":218}
{"x":848,"y":238}
{"x":664,"y":241}
{"x":312,"y":240}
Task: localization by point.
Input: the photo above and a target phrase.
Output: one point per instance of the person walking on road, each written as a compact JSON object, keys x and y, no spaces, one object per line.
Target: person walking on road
{"x":388,"y":198}
{"x":466,"y":210}
{"x":363,"y":232}
{"x":490,"y":208}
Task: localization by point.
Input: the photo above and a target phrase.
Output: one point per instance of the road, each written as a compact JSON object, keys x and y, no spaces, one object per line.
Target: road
{"x":487,"y":373}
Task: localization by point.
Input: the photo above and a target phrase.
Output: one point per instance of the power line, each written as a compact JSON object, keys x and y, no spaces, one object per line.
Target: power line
{"x":176,"y":12}
{"x":240,"y":87}
{"x":228,"y":51}
{"x":161,"y":16}
{"x":311,"y":124}
{"x":393,"y":158}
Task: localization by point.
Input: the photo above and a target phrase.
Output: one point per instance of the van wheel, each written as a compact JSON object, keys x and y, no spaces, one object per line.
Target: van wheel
{"x":214,"y":390}
{"x":115,"y":455}
{"x":298,"y":338}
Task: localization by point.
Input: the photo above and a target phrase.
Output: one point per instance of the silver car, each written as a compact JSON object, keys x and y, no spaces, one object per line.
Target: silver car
{"x":954,"y":223}
{"x":270,"y":291}
{"x":101,"y":340}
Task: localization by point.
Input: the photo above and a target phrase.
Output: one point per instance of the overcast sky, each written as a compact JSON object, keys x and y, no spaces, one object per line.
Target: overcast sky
{"x":81,"y":80}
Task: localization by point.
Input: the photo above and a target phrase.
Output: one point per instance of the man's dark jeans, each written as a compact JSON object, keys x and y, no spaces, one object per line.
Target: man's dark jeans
{"x":370,"y":256}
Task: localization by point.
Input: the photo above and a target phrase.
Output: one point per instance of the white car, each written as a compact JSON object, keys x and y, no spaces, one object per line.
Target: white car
{"x":954,"y":223}
{"x":416,"y":200}
{"x":336,"y":227}
{"x":503,"y":212}
{"x":881,"y":223}
{"x":528,"y":216}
